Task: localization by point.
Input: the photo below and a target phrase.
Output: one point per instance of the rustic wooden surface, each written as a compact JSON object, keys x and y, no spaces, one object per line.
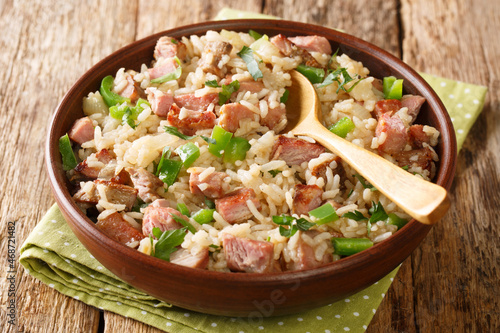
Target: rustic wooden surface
{"x":451,"y":282}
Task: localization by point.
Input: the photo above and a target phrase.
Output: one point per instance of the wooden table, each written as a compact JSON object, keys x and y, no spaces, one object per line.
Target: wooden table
{"x":451,"y":282}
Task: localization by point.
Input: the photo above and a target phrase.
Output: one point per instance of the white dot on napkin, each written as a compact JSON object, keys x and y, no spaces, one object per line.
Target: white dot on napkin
{"x":66,"y":243}
{"x":47,"y":244}
{"x":75,"y":281}
{"x":366,"y":297}
{"x":347,"y":329}
{"x":318,"y":317}
{"x":300,"y":319}
{"x":169,"y":323}
{"x":347,"y":300}
{"x":280,"y":323}
{"x":214,"y":325}
{"x":356,"y":314}
{"x":143,"y":312}
{"x":119,"y":303}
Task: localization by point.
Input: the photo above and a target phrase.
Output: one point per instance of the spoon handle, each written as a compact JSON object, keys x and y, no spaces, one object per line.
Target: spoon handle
{"x":421,"y":199}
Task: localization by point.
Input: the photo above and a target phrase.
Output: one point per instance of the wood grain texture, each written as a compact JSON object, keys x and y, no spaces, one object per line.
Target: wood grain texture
{"x":451,"y":280}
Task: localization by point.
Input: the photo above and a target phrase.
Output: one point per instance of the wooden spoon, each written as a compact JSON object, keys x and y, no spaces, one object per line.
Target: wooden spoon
{"x":423,"y":200}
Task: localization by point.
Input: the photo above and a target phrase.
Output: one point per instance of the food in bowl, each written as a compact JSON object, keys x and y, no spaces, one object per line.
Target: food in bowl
{"x":186,"y":160}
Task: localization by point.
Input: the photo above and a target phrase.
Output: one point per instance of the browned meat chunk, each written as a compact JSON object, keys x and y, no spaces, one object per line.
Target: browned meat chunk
{"x":232,"y":113}
{"x":118,"y":193}
{"x":306,"y":198}
{"x":289,"y":49}
{"x":119,"y":229}
{"x":396,"y":134}
{"x":320,"y":171}
{"x":160,"y":101}
{"x":211,"y":56}
{"x":413,"y":103}
{"x":160,"y":217}
{"x":247,"y":255}
{"x":295,"y":151}
{"x":212,"y":186}
{"x":146,"y":183}
{"x":168,"y":47}
{"x":274,"y":117}
{"x":190,"y":101}
{"x":132,"y":90}
{"x":163,"y":203}
{"x":305,"y":254}
{"x":82,"y":130}
{"x":312,"y":43}
{"x":419,"y":158}
{"x":103,"y":156}
{"x":384,"y":106}
{"x":233,"y":207}
{"x":165,"y":67}
{"x":87,"y":194}
{"x":184,"y":257}
{"x":417,"y":136}
{"x":252,"y":86}
{"x":191,"y":121}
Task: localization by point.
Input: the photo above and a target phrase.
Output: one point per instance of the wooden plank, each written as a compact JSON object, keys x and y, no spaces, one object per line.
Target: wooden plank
{"x":46,"y":46}
{"x":455,"y":270}
{"x":374,"y":21}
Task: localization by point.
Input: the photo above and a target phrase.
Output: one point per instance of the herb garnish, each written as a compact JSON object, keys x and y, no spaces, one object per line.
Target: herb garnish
{"x":167,"y":242}
{"x":334,"y":76}
{"x":284,"y":97}
{"x":378,"y":214}
{"x":227,"y":90}
{"x":174,"y":131}
{"x":293,"y":225}
{"x":212,"y":84}
{"x":365,"y":183}
{"x":356,"y":216}
{"x":186,"y":224}
{"x":246,"y":54}
{"x":274,"y":173}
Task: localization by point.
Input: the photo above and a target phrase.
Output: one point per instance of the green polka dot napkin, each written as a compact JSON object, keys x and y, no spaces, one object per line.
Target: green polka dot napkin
{"x":53,"y":254}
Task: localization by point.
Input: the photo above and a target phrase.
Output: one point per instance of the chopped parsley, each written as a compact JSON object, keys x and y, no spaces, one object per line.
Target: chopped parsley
{"x":246,"y":54}
{"x":274,"y":173}
{"x":186,"y":224}
{"x":356,"y":216}
{"x":174,"y":131}
{"x":334,"y":76}
{"x":284,"y":97}
{"x":293,"y":224}
{"x":167,"y":242}
{"x":378,"y":214}
{"x":227,"y":90}
{"x":212,"y":84}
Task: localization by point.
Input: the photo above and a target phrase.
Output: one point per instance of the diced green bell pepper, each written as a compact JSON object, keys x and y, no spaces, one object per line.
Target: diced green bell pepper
{"x":313,"y":74}
{"x":188,"y":153}
{"x":111,"y":98}
{"x":204,"y":216}
{"x":222,"y":138}
{"x":342,"y":127}
{"x":236,"y":150}
{"x":67,"y":155}
{"x":393,"y":219}
{"x":393,"y":88}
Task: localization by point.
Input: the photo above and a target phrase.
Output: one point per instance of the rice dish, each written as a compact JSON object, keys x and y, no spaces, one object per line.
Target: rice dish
{"x":186,"y":159}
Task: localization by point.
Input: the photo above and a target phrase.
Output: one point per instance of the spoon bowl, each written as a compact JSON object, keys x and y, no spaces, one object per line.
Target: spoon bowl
{"x":422,"y":200}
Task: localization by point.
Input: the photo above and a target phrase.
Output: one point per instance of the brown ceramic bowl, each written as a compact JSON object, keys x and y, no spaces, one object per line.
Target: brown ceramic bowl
{"x":242,"y":294}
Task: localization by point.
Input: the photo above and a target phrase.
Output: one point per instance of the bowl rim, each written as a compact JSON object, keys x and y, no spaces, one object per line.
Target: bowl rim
{"x":85,"y":225}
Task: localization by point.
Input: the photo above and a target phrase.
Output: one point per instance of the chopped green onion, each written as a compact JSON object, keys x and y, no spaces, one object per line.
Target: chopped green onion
{"x":349,"y":246}
{"x":67,"y":155}
{"x":182,"y":208}
{"x":188,"y":153}
{"x":284,"y":97}
{"x":165,"y":155}
{"x":185,"y":223}
{"x":111,"y":98}
{"x":170,"y":76}
{"x":128,"y":118}
{"x":342,"y":127}
{"x":222,"y":138}
{"x":212,"y":84}
{"x":313,"y":74}
{"x":174,"y":41}
{"x":333,"y":58}
{"x":393,"y":88}
{"x":204,"y":216}
{"x":118,"y":111}
{"x":174,"y":131}
{"x":227,"y":90}
{"x":246,"y":54}
{"x":213,"y":246}
{"x":167,"y":242}
{"x":356,"y":216}
{"x":236,"y":150}
{"x":254,"y":34}
{"x":209,"y":203}
{"x":406,"y":167}
{"x":393,"y":219}
{"x":324,"y":214}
